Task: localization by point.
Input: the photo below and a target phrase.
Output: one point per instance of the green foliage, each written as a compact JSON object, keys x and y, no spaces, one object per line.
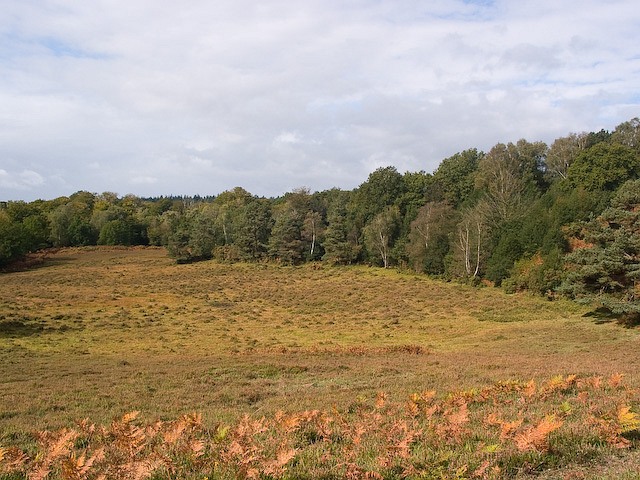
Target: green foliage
{"x":253,"y":229}
{"x":380,"y":235}
{"x":312,"y":230}
{"x":382,"y":189}
{"x":158,"y":229}
{"x":454,"y":179}
{"x":507,"y":251}
{"x":417,"y":185}
{"x":23,"y":229}
{"x":605,"y":166}
{"x":605,"y":264}
{"x":81,"y":233}
{"x":285,"y":243}
{"x":115,"y":232}
{"x":538,"y":274}
{"x":338,"y":249}
{"x":466,"y":260}
{"x":562,"y":154}
{"x":116,"y":224}
{"x":178,"y":238}
{"x":510,"y":177}
{"x":37,"y":231}
{"x":571,"y":205}
{"x":12,"y":239}
{"x":628,"y":133}
{"x":507,"y":213}
{"x":593,"y":138}
{"x":31,"y":228}
{"x":435,"y":255}
{"x":60,"y":220}
{"x":193,"y":235}
{"x":536,"y":227}
{"x":304,"y":214}
{"x":430,"y":237}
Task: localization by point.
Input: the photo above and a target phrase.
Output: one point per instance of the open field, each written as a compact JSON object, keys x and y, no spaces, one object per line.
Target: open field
{"x":95,"y":333}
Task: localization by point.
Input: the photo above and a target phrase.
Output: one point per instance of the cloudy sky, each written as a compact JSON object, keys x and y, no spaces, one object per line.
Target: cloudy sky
{"x":159,"y":97}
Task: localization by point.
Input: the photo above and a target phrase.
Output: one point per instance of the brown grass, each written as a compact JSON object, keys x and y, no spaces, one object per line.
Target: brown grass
{"x":557,"y":424}
{"x":98,"y":332}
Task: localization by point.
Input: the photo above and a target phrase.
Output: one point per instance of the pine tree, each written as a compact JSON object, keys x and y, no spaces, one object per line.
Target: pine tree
{"x":285,"y":243}
{"x":604,"y":267}
{"x":337,"y":247}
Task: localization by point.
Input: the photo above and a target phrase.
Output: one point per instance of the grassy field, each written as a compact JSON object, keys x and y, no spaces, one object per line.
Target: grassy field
{"x":96,"y":333}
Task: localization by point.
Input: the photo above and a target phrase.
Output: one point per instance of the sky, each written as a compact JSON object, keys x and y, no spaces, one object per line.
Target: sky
{"x":158,"y":97}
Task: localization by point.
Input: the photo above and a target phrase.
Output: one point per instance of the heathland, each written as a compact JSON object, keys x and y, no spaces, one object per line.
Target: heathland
{"x":353,"y":371}
{"x":558,"y":220}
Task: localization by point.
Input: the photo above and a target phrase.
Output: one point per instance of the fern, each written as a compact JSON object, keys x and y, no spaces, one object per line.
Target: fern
{"x":536,"y":438}
{"x":628,"y":420}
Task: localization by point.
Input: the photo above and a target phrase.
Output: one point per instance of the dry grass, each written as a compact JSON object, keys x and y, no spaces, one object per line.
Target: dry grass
{"x":506,"y":430}
{"x":98,"y":332}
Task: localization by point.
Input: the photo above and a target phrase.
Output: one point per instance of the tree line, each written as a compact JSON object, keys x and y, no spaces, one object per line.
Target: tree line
{"x":552,"y":219}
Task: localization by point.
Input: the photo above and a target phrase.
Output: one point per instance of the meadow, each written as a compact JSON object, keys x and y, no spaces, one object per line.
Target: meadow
{"x":120,"y":363}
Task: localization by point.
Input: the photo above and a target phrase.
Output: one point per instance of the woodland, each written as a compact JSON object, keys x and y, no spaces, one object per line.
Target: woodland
{"x":556,"y":220}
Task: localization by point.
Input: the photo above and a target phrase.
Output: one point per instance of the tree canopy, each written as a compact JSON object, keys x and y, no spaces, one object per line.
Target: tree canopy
{"x":558,"y":219}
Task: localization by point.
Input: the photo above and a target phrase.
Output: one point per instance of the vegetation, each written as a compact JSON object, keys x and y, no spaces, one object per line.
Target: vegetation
{"x":297,"y":366}
{"x":605,"y":266}
{"x":511,"y":216}
{"x":468,"y":434}
{"x":302,"y":372}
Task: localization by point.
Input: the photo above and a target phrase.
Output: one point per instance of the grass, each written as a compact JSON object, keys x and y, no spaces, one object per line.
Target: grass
{"x":94,"y":333}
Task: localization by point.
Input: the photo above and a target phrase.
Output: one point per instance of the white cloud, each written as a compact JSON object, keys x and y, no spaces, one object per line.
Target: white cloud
{"x":143,"y":180}
{"x":24,"y":180}
{"x":30,"y":178}
{"x":199,"y":163}
{"x":287,"y":138}
{"x":201,"y":97}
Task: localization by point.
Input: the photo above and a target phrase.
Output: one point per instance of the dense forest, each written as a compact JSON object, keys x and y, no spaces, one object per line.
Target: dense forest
{"x":556,"y":220}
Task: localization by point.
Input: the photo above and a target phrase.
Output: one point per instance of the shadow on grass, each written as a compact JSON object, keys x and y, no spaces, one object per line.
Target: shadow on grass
{"x":602,"y":315}
{"x":633,"y":435}
{"x":17,"y":328}
{"x":40,"y":259}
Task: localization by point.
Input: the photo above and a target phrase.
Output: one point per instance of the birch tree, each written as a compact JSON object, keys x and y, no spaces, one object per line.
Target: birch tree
{"x":429,"y":237}
{"x":470,"y":241}
{"x":510,"y":175}
{"x":562,"y":153}
{"x":379,"y":233}
{"x":311,"y":229}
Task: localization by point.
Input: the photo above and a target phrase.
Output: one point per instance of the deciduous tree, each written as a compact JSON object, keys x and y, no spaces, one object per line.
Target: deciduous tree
{"x":454,"y":179}
{"x":562,"y":154}
{"x":470,"y":242}
{"x":605,"y":166}
{"x":430,"y":235}
{"x":380,"y":234}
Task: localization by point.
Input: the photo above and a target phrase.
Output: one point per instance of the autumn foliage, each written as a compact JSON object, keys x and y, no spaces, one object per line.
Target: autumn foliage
{"x":493,"y":432}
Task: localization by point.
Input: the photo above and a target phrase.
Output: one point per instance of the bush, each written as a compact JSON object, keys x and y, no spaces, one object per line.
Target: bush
{"x":538,"y":274}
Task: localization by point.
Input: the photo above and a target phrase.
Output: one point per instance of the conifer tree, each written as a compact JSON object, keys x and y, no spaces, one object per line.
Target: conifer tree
{"x":337,"y":247}
{"x":604,"y":267}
